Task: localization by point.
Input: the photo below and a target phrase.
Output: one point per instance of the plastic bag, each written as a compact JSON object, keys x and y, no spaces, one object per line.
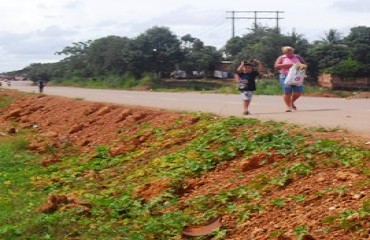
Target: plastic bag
{"x":242,"y":86}
{"x":296,"y":75}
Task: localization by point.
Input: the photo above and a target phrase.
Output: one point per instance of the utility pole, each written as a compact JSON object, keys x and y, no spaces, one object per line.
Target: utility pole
{"x":277,"y":19}
{"x":255,"y":18}
{"x":233,"y":23}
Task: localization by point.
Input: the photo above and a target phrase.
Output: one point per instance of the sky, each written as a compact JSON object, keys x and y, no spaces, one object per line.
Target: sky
{"x":31,"y":31}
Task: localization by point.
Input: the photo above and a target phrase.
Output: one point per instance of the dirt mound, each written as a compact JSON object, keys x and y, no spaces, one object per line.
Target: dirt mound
{"x":54,"y":202}
{"x":299,"y":203}
{"x":62,"y":122}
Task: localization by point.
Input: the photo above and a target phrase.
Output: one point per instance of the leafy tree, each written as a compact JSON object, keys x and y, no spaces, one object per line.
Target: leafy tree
{"x":106,"y":55}
{"x":157,"y":50}
{"x":359,"y":42}
{"x":234,"y":46}
{"x":187,"y":41}
{"x":264,"y":44}
{"x":37,"y":71}
{"x":198,"y":57}
{"x":76,"y":61}
{"x":327,"y":52}
{"x":328,"y":55}
{"x":300,"y":44}
{"x":350,"y":68}
{"x":332,"y":37}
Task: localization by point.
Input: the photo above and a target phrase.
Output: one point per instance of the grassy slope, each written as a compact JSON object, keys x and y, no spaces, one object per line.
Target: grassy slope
{"x":115,"y":185}
{"x":18,"y":197}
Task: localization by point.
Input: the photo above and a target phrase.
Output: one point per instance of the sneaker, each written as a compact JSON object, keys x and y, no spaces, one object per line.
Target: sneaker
{"x":294,"y":107}
{"x":289,"y":110}
{"x":246,"y":113}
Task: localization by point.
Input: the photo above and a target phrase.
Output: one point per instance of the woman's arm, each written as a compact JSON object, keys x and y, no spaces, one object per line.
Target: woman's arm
{"x":301,"y":59}
{"x":261,"y":67}
{"x":279,"y":64}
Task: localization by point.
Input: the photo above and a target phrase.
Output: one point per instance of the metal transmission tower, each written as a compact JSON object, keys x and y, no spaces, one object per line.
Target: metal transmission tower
{"x":255,"y":17}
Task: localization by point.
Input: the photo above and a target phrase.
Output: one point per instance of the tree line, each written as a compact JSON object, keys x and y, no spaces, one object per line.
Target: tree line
{"x":157,"y":52}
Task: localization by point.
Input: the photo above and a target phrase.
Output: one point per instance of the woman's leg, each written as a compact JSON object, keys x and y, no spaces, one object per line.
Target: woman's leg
{"x":298,"y":90}
{"x":295,"y":96}
{"x":287,"y":90}
{"x":288,"y":101}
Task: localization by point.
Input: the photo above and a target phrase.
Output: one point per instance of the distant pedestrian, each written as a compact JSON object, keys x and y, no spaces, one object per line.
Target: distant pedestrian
{"x":41,"y":84}
{"x":246,"y":78}
{"x":283,"y":64}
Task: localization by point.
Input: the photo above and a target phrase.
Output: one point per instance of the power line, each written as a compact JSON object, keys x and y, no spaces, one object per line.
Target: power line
{"x":255,"y":17}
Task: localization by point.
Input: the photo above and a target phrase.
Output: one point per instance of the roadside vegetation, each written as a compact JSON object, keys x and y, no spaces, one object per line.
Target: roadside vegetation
{"x":265,"y":86}
{"x":170,"y":177}
{"x":18,"y":196}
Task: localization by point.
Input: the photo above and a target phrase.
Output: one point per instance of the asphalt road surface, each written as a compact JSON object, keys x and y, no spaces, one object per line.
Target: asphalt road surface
{"x":331,"y":113}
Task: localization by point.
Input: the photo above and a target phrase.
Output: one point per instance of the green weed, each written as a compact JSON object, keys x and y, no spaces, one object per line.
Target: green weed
{"x":19,"y":143}
{"x":282,"y":180}
{"x":277,"y":233}
{"x":6,"y":100}
{"x":279,"y":202}
{"x":324,"y":129}
{"x":350,"y":220}
{"x":300,"y":231}
{"x":299,"y":198}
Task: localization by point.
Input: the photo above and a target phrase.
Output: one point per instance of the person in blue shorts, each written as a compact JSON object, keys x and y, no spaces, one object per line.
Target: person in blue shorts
{"x":283,"y":63}
{"x":246,"y":78}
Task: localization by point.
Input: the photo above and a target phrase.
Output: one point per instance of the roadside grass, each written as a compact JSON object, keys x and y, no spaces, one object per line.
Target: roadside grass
{"x":18,"y":196}
{"x":79,"y":98}
{"x":222,"y":86}
{"x":7,"y":99}
{"x":202,"y":85}
{"x":326,"y":129}
{"x":108,"y":82}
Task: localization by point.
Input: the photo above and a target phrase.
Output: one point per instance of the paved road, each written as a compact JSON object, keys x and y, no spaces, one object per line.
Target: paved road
{"x":351,"y":115}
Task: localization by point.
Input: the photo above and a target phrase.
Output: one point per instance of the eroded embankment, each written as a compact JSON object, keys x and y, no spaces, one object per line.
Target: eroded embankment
{"x":145,"y":174}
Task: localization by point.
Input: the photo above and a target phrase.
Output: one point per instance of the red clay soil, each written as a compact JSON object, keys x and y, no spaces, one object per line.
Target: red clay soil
{"x":323,"y":199}
{"x":86,"y":125}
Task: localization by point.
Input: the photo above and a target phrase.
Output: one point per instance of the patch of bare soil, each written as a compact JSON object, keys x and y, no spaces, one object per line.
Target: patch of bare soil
{"x":333,"y":95}
{"x":325,"y":194}
{"x":62,"y":122}
{"x":54,"y":202}
{"x":329,"y":95}
{"x":361,"y":95}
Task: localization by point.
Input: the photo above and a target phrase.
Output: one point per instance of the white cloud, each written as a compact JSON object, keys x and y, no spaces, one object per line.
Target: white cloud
{"x":32,"y":30}
{"x":353,"y":6}
{"x":74,"y":5}
{"x":36,"y":42}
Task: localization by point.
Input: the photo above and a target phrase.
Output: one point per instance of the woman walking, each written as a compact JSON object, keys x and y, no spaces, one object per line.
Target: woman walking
{"x":283,"y":64}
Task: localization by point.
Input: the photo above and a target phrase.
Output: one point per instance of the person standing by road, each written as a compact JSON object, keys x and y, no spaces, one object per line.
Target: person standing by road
{"x":41,"y":84}
{"x":283,"y":64}
{"x":246,"y":78}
